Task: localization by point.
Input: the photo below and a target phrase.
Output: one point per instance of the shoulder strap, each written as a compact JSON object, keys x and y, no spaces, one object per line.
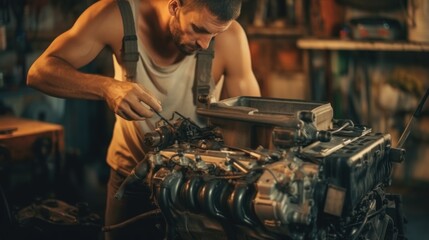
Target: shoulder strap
{"x":130,"y":57}
{"x":203,"y":75}
{"x":129,"y":51}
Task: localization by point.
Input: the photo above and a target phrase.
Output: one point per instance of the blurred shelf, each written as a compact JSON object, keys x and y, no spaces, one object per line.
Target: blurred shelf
{"x":17,"y":91}
{"x":44,"y":35}
{"x":292,"y":32}
{"x":364,"y":45}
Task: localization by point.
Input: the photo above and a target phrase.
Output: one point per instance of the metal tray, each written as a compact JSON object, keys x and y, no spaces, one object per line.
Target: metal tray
{"x":269,"y":111}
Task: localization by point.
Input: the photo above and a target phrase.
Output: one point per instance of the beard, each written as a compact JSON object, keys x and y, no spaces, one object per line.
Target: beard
{"x":187,"y":49}
{"x":184,"y":48}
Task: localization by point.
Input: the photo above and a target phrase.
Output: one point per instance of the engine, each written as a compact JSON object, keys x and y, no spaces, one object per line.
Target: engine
{"x":317,"y":178}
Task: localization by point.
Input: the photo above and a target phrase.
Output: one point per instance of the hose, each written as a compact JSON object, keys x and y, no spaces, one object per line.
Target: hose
{"x":141,"y":217}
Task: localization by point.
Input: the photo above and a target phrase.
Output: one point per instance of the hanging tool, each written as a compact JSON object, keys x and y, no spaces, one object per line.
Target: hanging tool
{"x":413,"y":120}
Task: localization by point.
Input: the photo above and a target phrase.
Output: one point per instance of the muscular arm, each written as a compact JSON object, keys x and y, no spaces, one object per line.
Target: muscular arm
{"x":56,"y":73}
{"x":233,"y":48}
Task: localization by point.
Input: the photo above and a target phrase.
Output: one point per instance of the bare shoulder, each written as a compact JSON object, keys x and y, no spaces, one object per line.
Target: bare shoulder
{"x":233,"y":35}
{"x":99,"y":21}
{"x":99,"y":26}
{"x":101,"y":12}
{"x":231,"y":46}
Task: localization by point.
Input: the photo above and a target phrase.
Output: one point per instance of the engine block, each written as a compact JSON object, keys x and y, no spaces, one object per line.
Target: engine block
{"x":322,"y":179}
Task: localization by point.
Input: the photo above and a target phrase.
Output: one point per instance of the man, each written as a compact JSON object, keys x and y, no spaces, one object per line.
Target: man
{"x":169,"y":34}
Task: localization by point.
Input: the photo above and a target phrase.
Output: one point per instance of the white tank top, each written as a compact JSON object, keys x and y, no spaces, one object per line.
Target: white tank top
{"x":172,"y":85}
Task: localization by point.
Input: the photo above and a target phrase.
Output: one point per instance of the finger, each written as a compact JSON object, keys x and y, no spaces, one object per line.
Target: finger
{"x":141,"y":109}
{"x":122,"y":115}
{"x":146,"y":97}
{"x":130,"y":115}
{"x":132,"y":109}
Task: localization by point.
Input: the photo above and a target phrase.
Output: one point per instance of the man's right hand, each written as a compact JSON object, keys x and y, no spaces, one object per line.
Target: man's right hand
{"x":130,"y":101}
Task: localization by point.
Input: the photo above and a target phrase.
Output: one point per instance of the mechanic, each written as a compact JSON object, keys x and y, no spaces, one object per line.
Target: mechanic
{"x":169,"y":34}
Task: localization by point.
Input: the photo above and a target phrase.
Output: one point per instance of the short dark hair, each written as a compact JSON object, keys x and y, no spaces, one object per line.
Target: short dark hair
{"x":224,"y":10}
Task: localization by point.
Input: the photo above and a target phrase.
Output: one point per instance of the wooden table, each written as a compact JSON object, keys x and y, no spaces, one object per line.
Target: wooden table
{"x":29,"y":141}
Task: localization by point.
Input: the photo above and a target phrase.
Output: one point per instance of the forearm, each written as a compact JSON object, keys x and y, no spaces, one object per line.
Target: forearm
{"x":56,"y":77}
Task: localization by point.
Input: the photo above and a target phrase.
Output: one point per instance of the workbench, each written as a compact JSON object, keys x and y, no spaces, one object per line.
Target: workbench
{"x":27,"y":142}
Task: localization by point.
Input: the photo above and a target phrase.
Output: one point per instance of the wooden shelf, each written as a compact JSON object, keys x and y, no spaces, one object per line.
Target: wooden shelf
{"x":354,"y":45}
{"x":274,"y":31}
